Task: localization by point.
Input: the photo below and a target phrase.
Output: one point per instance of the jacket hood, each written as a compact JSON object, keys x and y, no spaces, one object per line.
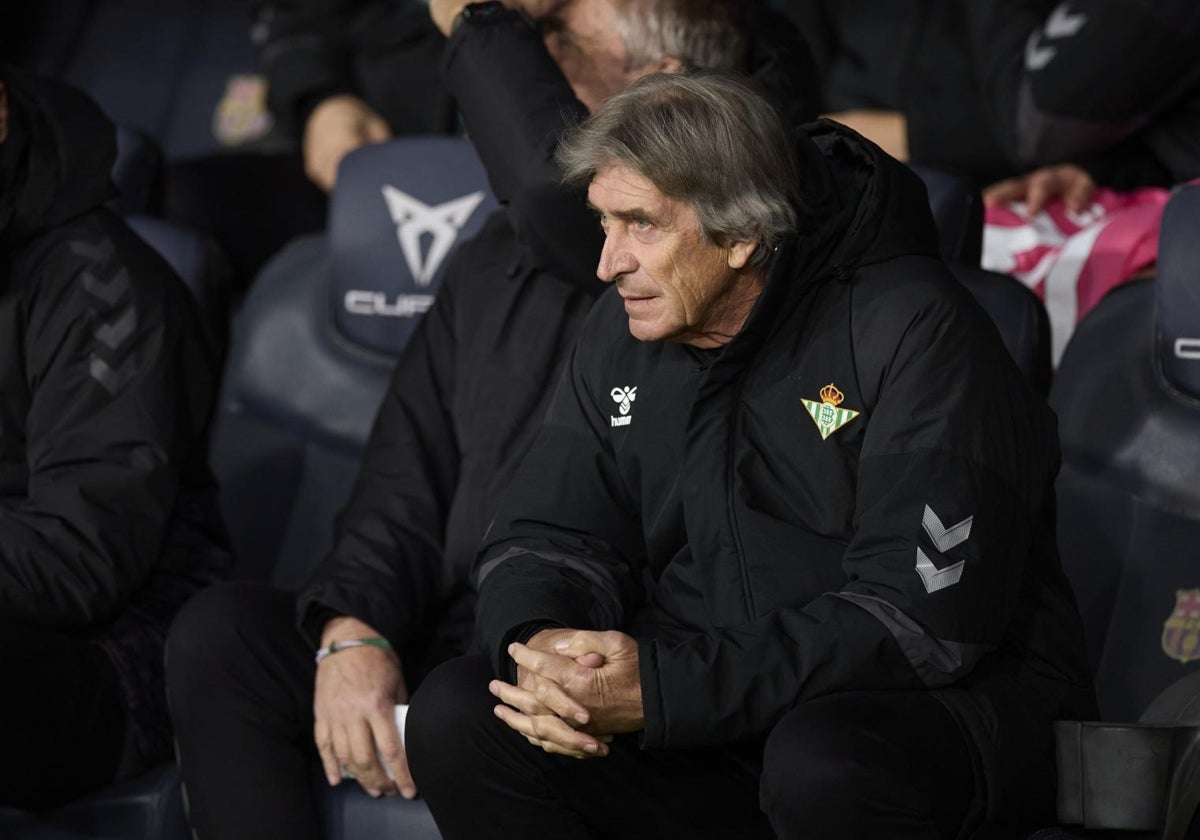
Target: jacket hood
{"x":876,"y":207}
{"x":56,"y":161}
{"x":862,"y":206}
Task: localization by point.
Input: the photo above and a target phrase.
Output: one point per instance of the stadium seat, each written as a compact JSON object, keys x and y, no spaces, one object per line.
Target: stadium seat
{"x":136,"y":173}
{"x":1128,"y":399}
{"x":1016,"y":311}
{"x":957,"y":212}
{"x":148,"y":807}
{"x":314,"y":343}
{"x":161,"y":66}
{"x":199,"y":263}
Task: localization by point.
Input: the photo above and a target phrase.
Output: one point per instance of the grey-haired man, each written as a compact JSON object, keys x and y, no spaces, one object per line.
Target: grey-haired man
{"x":781,"y":560}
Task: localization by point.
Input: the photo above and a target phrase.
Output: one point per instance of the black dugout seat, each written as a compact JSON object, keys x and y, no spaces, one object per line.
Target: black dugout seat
{"x":1127,"y":394}
{"x":1015,"y":310}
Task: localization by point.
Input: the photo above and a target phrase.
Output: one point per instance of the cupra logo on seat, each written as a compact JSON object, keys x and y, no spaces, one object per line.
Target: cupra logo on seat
{"x":414,"y":220}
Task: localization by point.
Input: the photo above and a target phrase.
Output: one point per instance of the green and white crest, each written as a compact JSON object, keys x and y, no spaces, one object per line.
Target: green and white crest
{"x":827,"y":414}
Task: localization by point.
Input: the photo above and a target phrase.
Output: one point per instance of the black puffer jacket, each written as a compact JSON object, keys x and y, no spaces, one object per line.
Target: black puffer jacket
{"x":467,"y":394}
{"x":854,"y":493}
{"x":108,"y":519}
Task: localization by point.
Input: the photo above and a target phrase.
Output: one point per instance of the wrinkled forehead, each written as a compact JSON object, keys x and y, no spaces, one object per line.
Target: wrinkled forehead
{"x":617,"y":186}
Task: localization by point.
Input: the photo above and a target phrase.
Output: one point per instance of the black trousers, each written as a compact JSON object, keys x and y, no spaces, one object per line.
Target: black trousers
{"x":240,"y":685}
{"x":64,"y":717}
{"x":857,"y":765}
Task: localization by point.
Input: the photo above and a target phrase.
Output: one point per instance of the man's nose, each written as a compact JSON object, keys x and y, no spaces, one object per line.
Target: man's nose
{"x":615,"y":260}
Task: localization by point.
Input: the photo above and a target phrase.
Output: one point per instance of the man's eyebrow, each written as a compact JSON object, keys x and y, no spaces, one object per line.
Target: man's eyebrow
{"x":630,"y":215}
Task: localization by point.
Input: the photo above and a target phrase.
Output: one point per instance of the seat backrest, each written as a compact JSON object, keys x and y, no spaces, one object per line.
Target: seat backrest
{"x":1017,"y":312}
{"x":136,"y":173}
{"x":1127,"y":395}
{"x":188,"y":53}
{"x":1019,"y":316}
{"x":957,"y":212}
{"x":198,"y":261}
{"x":314,"y":343}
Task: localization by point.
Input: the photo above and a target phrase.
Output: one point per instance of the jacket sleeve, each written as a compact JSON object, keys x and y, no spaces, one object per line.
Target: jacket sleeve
{"x":954,"y":468}
{"x":516,"y":104}
{"x":566,"y":546}
{"x":302,"y":54}
{"x":109,"y":426}
{"x":1069,"y":81}
{"x":383,"y":51}
{"x":385,"y":567}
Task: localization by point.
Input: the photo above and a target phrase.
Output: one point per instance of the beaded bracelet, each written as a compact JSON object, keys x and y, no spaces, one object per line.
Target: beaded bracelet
{"x":334,"y":647}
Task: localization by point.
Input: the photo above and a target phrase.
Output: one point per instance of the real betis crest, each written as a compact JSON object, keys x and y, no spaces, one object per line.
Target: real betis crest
{"x":826,"y":413}
{"x":1181,"y":632}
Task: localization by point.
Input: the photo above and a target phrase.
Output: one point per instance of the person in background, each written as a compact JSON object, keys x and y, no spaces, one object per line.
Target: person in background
{"x":346,"y":73}
{"x":108,"y":517}
{"x":999,"y":89}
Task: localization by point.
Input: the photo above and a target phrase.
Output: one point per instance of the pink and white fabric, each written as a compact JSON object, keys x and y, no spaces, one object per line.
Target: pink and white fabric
{"x":1071,"y":260}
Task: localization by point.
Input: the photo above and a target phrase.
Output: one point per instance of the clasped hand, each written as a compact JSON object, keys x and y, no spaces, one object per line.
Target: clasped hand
{"x":575,"y":690}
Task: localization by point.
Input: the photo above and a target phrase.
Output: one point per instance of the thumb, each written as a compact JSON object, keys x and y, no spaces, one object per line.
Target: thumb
{"x":584,"y":647}
{"x":377,"y":130}
{"x":590,"y":660}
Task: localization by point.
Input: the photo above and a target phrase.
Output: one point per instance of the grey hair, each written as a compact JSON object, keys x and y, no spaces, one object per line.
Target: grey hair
{"x":703,"y":138}
{"x":706,"y":34}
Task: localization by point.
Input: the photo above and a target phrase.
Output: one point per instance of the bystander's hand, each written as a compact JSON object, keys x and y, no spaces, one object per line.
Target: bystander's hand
{"x":353,"y":707}
{"x":336,"y":127}
{"x":1065,"y":180}
{"x":575,"y":690}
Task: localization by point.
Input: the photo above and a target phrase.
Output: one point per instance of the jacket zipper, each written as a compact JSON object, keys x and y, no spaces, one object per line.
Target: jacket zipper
{"x":734,"y":428}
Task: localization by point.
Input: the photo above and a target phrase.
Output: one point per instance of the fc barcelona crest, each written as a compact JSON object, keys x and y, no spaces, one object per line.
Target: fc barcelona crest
{"x":827,"y":414}
{"x":1181,"y":632}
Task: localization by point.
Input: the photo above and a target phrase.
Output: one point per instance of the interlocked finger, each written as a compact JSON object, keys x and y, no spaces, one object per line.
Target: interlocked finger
{"x":552,"y":734}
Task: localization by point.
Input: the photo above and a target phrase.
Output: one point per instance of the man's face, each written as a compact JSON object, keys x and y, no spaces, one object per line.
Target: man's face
{"x":582,"y":39}
{"x":677,"y":285}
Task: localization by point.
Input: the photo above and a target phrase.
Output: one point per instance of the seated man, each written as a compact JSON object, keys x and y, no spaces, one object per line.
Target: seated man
{"x":108,"y":520}
{"x":781,"y":558}
{"x":463,"y":405}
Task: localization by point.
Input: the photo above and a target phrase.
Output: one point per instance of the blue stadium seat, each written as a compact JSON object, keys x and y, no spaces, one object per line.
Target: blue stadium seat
{"x":957,"y":212}
{"x":1128,"y":399}
{"x":161,"y":66}
{"x":136,"y":173}
{"x":199,"y":262}
{"x":314,"y":343}
{"x":148,"y":807}
{"x":1016,"y":311}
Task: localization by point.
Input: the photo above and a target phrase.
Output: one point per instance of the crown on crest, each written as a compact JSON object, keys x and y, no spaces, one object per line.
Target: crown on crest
{"x":831,"y":395}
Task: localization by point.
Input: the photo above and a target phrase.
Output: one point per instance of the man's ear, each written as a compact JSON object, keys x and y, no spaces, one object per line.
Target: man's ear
{"x":740,"y":253}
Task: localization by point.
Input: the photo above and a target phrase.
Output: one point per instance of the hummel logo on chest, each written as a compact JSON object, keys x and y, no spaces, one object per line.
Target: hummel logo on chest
{"x":624,"y":398}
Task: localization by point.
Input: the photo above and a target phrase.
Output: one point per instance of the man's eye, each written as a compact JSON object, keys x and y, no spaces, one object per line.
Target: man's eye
{"x":642,"y":224}
{"x":604,"y":223}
